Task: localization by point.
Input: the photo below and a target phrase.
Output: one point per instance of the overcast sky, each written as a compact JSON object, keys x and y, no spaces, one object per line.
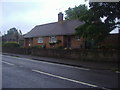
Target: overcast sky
{"x":26,"y":14}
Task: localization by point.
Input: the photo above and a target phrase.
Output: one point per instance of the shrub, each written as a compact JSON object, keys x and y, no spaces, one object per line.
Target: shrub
{"x":60,"y":47}
{"x":39,"y":46}
{"x":52,"y":43}
{"x":58,"y":41}
{"x":10,"y":44}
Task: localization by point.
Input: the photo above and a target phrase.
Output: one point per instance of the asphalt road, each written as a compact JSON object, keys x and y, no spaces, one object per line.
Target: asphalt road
{"x":27,"y":73}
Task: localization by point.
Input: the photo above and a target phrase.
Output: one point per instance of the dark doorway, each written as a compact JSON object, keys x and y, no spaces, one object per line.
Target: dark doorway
{"x":68,"y":41}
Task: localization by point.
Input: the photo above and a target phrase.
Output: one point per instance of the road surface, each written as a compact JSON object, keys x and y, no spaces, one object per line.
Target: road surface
{"x":21,"y":72}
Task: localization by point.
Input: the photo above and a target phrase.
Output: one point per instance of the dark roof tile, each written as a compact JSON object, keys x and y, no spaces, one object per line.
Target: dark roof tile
{"x":58,"y":28}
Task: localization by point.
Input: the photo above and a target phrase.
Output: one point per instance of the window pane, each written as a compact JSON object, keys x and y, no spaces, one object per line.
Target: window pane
{"x":40,"y":40}
{"x":53,"y":39}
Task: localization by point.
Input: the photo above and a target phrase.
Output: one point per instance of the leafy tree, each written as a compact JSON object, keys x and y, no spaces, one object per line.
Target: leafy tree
{"x":74,"y":13}
{"x":20,"y":32}
{"x":12,"y":31}
{"x":110,"y":10}
{"x":95,"y":27}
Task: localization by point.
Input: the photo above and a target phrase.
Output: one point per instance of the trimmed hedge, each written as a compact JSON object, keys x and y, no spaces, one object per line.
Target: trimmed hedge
{"x":10,"y":44}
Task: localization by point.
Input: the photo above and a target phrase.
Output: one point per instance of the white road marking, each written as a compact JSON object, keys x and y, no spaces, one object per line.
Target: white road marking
{"x":7,"y":63}
{"x":51,"y":63}
{"x":56,"y":76}
{"x":68,"y":79}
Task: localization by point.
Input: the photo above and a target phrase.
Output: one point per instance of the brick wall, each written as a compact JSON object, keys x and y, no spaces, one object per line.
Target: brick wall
{"x":16,"y":50}
{"x":75,"y":43}
{"x":46,"y":42}
{"x":28,"y":41}
{"x":25,"y":42}
{"x":112,"y":41}
{"x":89,"y":55}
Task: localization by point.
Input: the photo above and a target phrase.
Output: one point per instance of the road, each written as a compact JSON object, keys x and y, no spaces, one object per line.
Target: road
{"x":21,"y":72}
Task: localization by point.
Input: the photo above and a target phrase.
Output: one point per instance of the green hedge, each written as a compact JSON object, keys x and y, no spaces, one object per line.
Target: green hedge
{"x":39,"y":46}
{"x":10,"y":44}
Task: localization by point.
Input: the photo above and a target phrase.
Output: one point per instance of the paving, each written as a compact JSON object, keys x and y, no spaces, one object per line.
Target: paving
{"x":78,"y":63}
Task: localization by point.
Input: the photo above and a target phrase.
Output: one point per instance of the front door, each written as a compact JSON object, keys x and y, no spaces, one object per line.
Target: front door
{"x":68,"y":41}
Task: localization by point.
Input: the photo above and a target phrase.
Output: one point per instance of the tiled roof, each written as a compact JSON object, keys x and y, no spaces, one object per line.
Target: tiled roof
{"x":58,"y":28}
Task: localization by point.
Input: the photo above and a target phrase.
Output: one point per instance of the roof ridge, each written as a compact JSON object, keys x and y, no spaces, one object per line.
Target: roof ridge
{"x":55,"y":22}
{"x":46,"y":24}
{"x":55,"y":28}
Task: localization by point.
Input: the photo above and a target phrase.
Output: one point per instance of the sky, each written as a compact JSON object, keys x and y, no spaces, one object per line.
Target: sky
{"x":26,"y":14}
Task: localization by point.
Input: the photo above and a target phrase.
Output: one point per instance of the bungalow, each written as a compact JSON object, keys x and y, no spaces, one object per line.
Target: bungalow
{"x":53,"y":35}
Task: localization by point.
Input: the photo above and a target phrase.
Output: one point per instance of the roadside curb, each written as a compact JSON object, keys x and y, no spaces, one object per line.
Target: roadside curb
{"x":90,"y":67}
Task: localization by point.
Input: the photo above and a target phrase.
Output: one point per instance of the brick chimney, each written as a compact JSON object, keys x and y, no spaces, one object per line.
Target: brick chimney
{"x":60,"y":16}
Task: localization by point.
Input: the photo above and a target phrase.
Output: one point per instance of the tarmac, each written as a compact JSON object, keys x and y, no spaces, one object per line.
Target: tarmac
{"x":77,"y":63}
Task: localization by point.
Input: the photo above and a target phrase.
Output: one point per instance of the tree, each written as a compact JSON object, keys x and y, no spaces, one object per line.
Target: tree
{"x":110,"y":10}
{"x":20,"y":32}
{"x":12,"y":35}
{"x":95,"y":27}
{"x":74,"y":13}
{"x":12,"y":31}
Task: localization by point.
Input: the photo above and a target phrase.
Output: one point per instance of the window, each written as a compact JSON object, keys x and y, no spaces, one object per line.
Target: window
{"x":29,"y":44}
{"x":40,"y":40}
{"x":53,"y":39}
{"x":77,"y":37}
{"x":29,"y":41}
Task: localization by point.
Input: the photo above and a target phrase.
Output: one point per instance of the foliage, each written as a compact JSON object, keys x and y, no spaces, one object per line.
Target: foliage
{"x":52,"y":43}
{"x":95,"y":27}
{"x":74,"y":13}
{"x":39,"y":46}
{"x":10,"y":44}
{"x":97,"y":31}
{"x":60,"y":47}
{"x":12,"y":31}
{"x":110,"y":10}
{"x":58,"y":41}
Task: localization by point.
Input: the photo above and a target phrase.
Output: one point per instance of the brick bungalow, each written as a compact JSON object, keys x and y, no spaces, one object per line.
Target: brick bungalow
{"x":62,"y":33}
{"x":53,"y":35}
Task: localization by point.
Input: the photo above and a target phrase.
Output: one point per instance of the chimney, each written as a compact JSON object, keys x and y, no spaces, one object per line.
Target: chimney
{"x":60,"y":16}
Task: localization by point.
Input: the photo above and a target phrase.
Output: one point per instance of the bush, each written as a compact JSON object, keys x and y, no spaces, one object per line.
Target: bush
{"x":52,"y":43}
{"x":58,"y":41}
{"x":39,"y":46}
{"x":10,"y":44}
{"x":60,"y":47}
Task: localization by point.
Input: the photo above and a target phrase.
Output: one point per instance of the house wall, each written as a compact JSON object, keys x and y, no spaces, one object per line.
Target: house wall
{"x":74,"y":42}
{"x":112,"y":41}
{"x":28,"y":41}
{"x":34,"y":42}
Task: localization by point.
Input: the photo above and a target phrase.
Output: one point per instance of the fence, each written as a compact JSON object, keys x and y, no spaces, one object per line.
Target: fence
{"x":89,"y":55}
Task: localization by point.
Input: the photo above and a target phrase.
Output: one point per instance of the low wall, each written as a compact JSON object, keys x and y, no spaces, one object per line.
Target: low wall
{"x":89,"y":55}
{"x":16,"y":50}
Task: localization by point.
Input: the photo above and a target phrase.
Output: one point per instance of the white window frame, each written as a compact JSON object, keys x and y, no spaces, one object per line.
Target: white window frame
{"x":40,"y":40}
{"x":53,"y":39}
{"x":77,"y":37}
